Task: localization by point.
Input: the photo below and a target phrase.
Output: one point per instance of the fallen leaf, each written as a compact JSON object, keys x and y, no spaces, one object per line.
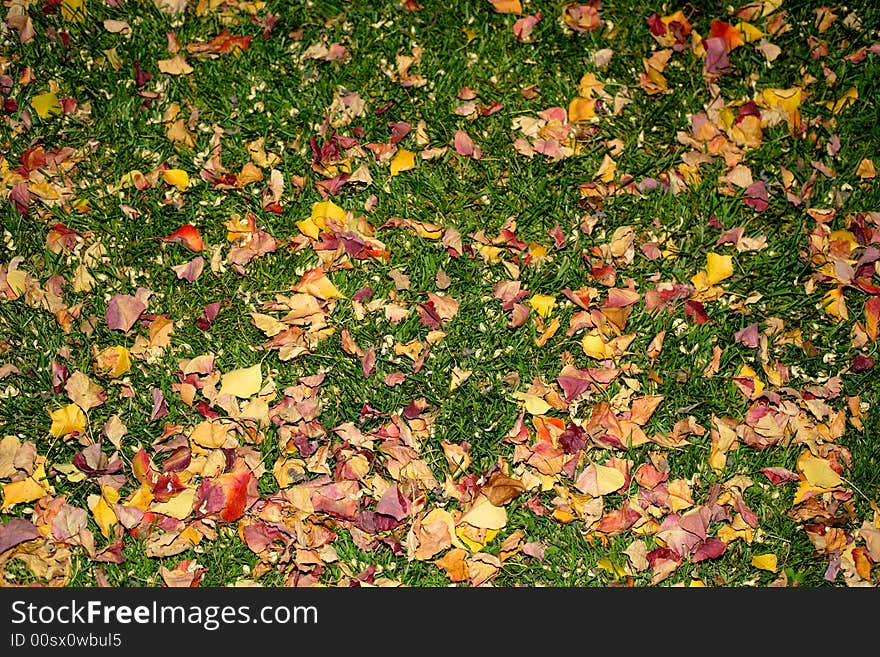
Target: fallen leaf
{"x":83,"y":392}
{"x":718,"y":267}
{"x":818,"y":471}
{"x":177,"y":65}
{"x":507,"y":6}
{"x":123,"y":311}
{"x":485,"y":515}
{"x":403,"y":160}
{"x":189,"y":271}
{"x":533,"y":404}
{"x":112,"y":362}
{"x":765,"y":562}
{"x":46,"y":105}
{"x":187,"y":234}
{"x":101,"y":507}
{"x":176,"y":178}
{"x":67,"y":420}
{"x":17,"y":531}
{"x":244,"y":382}
{"x":22,"y":491}
{"x":542,"y":304}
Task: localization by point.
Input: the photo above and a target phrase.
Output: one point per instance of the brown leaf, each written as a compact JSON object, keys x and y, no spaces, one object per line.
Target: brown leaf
{"x":501,"y":489}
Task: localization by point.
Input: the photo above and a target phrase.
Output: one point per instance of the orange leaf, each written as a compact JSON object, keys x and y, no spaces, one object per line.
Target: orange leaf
{"x":507,"y":6}
{"x":732,"y":37}
{"x":235,"y":487}
{"x":872,"y":317}
{"x":453,"y":562}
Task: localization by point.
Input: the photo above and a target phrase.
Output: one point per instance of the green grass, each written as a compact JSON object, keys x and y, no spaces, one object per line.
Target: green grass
{"x":272,"y":91}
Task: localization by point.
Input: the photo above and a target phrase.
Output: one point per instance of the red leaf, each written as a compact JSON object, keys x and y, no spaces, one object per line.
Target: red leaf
{"x":695,"y":312}
{"x":779,"y":475}
{"x":711,"y":548}
{"x":189,"y":236}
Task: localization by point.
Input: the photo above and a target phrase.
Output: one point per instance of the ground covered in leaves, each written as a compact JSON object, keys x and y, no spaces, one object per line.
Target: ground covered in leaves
{"x":427,"y":293}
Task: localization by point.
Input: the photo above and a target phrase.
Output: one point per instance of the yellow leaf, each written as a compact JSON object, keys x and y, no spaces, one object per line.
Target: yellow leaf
{"x":67,"y":420}
{"x":490,"y":254}
{"x":765,"y":562}
{"x":209,"y":433}
{"x":787,"y":100}
{"x":847,"y":99}
{"x":590,"y":86}
{"x":100,"y":506}
{"x":749,"y":31}
{"x":534,"y":405}
{"x":834,"y":303}
{"x":73,"y":10}
{"x":141,"y":498}
{"x":23,"y":490}
{"x":323,"y":210}
{"x":268,"y":324}
{"x":176,"y":177}
{"x":542,"y":304}
{"x":469,"y":537}
{"x":112,"y":362}
{"x":804,"y":489}
{"x":485,"y":515}
{"x":243,"y":382}
{"x":46,"y":104}
{"x":71,"y":473}
{"x":718,"y":267}
{"x":179,"y":506}
{"x":607,"y":169}
{"x":595,"y":346}
{"x":608,"y":480}
{"x":581,"y":109}
{"x":537,"y":251}
{"x":458,"y":377}
{"x":548,"y":332}
{"x":113,"y":58}
{"x":316,"y":283}
{"x":403,"y":161}
{"x":747,"y":372}
{"x":610,"y":567}
{"x":308,"y":228}
{"x":818,"y":471}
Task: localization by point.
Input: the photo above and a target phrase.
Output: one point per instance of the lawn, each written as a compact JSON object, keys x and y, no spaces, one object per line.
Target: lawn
{"x":478,"y":293}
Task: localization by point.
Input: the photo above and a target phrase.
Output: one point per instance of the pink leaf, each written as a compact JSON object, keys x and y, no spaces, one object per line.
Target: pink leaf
{"x":190,"y":271}
{"x":17,"y":530}
{"x":464,"y":145}
{"x":747,"y":336}
{"x":123,"y":311}
{"x":522,"y":29}
{"x":394,"y":504}
{"x":534,"y":549}
{"x":716,"y":55}
{"x":160,"y":408}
